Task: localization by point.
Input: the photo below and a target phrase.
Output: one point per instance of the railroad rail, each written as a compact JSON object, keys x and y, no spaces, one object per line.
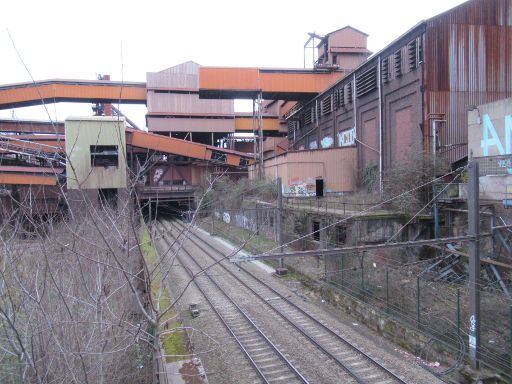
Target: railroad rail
{"x":363,"y":368}
{"x":269,"y":362}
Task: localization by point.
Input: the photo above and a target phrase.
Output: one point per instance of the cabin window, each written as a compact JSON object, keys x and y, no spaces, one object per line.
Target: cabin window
{"x":104,"y":156}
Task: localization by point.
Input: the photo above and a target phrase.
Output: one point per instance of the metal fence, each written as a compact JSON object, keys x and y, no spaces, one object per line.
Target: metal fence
{"x":337,"y":207}
{"x":436,"y":308}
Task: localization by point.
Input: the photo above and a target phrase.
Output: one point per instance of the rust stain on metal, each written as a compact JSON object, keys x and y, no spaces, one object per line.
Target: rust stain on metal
{"x":28,"y":126}
{"x":26,"y":94}
{"x":229,"y":78}
{"x":247,"y":82}
{"x":313,"y":82}
{"x":25,"y":179}
{"x":468,"y":62}
{"x":246,"y":124}
{"x":168,"y":145}
{"x":17,"y":168}
{"x":233,"y":160}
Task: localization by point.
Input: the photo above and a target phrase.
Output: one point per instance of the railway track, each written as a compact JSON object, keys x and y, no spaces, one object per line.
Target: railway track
{"x":363,"y":368}
{"x":268,"y":361}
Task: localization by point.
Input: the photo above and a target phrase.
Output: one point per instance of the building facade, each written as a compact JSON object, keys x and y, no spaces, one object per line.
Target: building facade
{"x":174,"y":107}
{"x":345,"y":48}
{"x":414,"y":94}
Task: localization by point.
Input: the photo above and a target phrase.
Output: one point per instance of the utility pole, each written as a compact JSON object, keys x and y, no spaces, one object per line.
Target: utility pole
{"x":474,"y":263}
{"x":279,"y":219}
{"x":260,"y":133}
{"x":255,"y":135}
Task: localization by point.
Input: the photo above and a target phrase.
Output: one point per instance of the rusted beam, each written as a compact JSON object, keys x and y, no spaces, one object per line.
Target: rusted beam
{"x":25,"y":179}
{"x":233,"y":160}
{"x":244,"y":124}
{"x":27,"y":126}
{"x":51,"y":91}
{"x":135,"y":138}
{"x":167,"y":145}
{"x":282,"y":84}
{"x":35,"y":146}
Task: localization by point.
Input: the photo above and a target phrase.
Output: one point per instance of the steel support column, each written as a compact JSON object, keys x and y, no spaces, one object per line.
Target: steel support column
{"x":474,"y":263}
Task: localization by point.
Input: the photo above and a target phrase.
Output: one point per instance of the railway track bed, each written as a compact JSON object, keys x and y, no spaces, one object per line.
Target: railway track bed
{"x":329,"y":348}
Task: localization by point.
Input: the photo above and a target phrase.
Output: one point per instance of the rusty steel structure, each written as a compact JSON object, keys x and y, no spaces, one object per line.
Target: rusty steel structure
{"x":51,"y":91}
{"x":139,"y":140}
{"x":273,"y":84}
{"x":28,"y":126}
{"x":415,"y":92}
{"x":33,"y":176}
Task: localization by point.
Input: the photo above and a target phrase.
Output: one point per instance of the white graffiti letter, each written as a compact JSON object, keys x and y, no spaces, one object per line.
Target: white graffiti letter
{"x":495,"y":140}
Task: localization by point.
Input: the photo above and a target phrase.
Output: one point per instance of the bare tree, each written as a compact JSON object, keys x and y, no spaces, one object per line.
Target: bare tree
{"x":72,"y":300}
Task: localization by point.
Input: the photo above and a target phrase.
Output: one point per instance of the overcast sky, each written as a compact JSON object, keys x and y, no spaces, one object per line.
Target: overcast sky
{"x":126,"y":39}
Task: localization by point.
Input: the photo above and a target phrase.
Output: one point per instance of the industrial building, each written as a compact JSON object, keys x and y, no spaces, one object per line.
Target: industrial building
{"x":414,"y":93}
{"x":443,"y":87}
{"x":350,"y":113}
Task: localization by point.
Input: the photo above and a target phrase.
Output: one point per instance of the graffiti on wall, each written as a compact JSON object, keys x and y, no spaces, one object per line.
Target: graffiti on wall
{"x":327,"y":142}
{"x":490,"y":143}
{"x":490,"y":138}
{"x":347,"y":138}
{"x":301,"y":188}
{"x":242,"y":221}
{"x":157,"y":175}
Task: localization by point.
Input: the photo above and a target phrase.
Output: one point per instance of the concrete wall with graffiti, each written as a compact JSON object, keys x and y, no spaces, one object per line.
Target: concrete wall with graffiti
{"x":490,"y":143}
{"x":261,"y":221}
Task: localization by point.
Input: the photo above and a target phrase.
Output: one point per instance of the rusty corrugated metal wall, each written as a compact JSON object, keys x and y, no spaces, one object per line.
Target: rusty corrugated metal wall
{"x":468,"y":61}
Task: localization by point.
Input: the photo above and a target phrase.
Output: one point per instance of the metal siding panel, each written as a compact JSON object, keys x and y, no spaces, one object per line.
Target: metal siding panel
{"x":347,"y":37}
{"x":245,"y":124}
{"x":182,"y":76}
{"x":81,"y":133}
{"x":271,"y":81}
{"x":229,"y":78}
{"x":187,"y":103}
{"x":298,"y":82}
{"x":175,"y":124}
{"x":336,"y":166}
{"x":468,"y":54}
